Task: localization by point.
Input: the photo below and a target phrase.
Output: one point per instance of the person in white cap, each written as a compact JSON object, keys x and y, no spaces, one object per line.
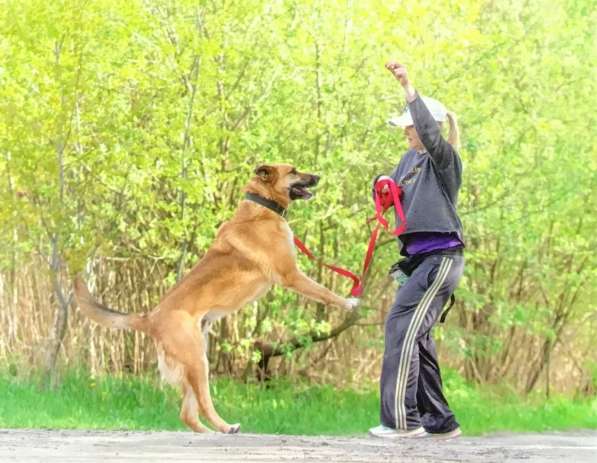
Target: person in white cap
{"x":429,"y":174}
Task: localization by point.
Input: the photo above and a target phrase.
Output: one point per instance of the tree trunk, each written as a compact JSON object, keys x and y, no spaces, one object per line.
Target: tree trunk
{"x":269,"y":350}
{"x":60,"y":318}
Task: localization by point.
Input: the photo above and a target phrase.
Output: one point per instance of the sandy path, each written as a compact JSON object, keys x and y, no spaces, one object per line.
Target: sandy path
{"x":51,"y":446}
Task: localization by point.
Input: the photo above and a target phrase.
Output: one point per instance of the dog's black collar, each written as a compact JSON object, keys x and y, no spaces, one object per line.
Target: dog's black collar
{"x":269,"y":203}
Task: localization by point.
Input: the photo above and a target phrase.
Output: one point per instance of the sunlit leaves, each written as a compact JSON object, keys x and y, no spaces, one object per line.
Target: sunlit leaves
{"x":161,"y":111}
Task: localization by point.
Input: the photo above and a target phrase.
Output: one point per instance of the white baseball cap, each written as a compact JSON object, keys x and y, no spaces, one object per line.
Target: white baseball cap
{"x":437,"y":110}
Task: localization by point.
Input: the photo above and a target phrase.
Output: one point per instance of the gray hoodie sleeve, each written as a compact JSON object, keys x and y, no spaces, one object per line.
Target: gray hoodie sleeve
{"x":444,"y":156}
{"x":429,"y":133}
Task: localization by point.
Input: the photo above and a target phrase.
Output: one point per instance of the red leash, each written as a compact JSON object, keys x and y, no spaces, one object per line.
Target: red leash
{"x":383,"y":201}
{"x":356,"y":281}
{"x":386,"y":199}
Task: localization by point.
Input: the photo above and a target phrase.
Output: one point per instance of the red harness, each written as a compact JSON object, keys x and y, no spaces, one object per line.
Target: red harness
{"x":384,"y":199}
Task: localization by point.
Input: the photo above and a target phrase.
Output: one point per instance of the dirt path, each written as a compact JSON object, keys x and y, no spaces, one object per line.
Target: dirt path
{"x":107,"y":446}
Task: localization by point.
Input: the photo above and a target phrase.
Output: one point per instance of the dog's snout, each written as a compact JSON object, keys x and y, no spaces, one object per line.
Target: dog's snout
{"x":315,"y":179}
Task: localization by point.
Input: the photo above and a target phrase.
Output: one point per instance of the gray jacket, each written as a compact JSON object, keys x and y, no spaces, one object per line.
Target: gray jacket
{"x":430,"y":180}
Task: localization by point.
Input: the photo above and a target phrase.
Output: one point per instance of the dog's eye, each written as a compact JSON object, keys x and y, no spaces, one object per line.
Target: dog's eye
{"x":293,"y":172}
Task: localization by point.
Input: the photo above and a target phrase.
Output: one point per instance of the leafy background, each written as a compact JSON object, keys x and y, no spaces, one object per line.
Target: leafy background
{"x":127,"y":130}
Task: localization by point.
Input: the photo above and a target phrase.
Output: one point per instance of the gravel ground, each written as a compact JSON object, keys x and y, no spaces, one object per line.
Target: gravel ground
{"x":49,"y":446}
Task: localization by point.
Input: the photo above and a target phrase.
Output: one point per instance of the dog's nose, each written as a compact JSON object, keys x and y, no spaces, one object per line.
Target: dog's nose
{"x":315,"y":179}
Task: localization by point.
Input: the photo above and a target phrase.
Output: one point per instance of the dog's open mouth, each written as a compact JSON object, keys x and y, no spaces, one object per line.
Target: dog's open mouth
{"x":299,"y":191}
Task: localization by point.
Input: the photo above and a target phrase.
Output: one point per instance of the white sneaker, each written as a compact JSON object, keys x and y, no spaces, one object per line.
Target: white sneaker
{"x":391,"y":433}
{"x":445,"y":435}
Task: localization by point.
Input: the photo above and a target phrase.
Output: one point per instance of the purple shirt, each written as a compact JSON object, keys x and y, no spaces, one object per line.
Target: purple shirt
{"x":421,"y":242}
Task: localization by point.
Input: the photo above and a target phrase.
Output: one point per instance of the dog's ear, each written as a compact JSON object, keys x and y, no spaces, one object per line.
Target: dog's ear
{"x":266,"y":173}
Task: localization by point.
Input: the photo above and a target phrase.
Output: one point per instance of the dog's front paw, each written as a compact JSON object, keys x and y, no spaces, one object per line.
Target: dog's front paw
{"x":351,"y":303}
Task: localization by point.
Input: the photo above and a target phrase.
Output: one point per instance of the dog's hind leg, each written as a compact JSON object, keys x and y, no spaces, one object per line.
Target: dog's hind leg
{"x":190,"y":409}
{"x":198,"y":377}
{"x":183,"y":341}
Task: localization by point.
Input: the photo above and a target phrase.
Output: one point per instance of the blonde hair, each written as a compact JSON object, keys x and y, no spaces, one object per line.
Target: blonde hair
{"x":454,"y":132}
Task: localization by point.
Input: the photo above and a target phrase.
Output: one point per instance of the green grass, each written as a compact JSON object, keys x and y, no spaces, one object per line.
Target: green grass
{"x":285,"y":408}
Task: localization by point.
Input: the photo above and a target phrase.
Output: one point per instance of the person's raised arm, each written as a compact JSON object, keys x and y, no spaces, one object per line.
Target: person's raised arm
{"x":426,"y":126}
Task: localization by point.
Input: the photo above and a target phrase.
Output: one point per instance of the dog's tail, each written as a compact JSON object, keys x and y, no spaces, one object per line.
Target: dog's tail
{"x":104,"y":315}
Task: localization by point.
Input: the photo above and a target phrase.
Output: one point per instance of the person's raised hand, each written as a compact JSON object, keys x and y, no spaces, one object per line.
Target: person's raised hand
{"x":399,"y":72}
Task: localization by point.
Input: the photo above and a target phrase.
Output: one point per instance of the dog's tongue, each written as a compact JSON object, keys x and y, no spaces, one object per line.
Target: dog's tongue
{"x":301,"y":192}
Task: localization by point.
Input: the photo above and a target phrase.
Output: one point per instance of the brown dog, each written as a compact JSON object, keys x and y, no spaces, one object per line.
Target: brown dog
{"x":252,"y":251}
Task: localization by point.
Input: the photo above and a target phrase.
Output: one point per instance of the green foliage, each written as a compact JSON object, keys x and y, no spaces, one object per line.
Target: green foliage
{"x":128,"y":128}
